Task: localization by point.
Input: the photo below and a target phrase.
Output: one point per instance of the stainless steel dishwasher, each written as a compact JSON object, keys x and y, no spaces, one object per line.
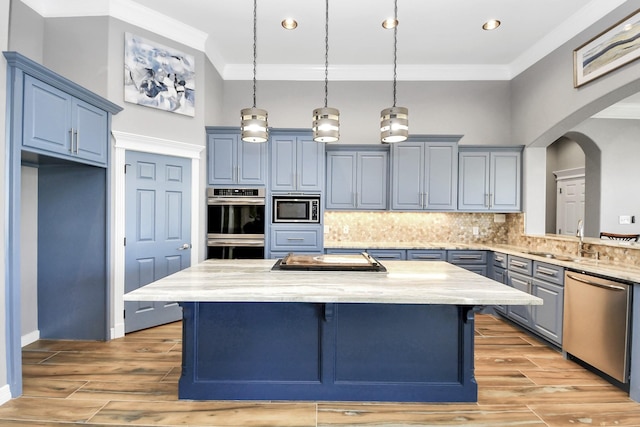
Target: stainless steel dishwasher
{"x":596,"y":323}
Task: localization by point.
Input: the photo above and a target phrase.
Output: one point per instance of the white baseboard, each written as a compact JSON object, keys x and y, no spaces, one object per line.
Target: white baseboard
{"x":5,"y":394}
{"x":30,"y":338}
{"x":117,"y":331}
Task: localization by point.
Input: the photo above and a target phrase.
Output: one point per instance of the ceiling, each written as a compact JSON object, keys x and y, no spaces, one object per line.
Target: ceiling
{"x":437,"y":39}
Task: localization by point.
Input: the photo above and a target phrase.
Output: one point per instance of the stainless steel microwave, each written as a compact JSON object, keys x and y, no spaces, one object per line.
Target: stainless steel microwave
{"x":297,"y":209}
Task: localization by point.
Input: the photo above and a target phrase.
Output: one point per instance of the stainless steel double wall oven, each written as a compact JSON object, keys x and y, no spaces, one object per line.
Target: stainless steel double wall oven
{"x":235,"y":222}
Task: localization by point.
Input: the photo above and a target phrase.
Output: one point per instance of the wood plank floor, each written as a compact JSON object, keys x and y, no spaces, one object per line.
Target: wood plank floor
{"x":132,"y":381}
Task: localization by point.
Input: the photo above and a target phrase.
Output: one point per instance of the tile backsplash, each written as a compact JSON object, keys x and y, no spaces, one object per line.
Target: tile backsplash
{"x":462,"y":228}
{"x":454,"y":227}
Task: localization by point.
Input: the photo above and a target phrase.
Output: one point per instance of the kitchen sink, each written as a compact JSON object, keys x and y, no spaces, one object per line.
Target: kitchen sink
{"x":561,"y":257}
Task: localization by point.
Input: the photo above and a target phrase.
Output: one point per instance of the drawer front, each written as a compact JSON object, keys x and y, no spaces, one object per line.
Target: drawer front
{"x":548,"y":272}
{"x":382,"y":254}
{"x":500,"y":260}
{"x":478,"y":269}
{"x":295,"y":239}
{"x":467,"y":257}
{"x":426,"y":255}
{"x":521,"y":265}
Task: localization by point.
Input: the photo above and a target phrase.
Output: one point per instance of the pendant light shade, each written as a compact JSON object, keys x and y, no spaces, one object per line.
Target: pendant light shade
{"x":254,"y":125}
{"x":326,"y":120}
{"x":326,"y":124}
{"x":394,"y":121}
{"x":394,"y":124}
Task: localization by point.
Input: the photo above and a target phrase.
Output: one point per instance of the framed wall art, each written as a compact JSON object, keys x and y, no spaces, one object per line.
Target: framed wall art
{"x":158,"y":76}
{"x":611,"y":49}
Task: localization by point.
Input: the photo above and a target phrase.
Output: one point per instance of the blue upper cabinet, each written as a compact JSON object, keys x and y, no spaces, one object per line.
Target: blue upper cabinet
{"x":424,"y":174}
{"x":297,"y":162}
{"x":59,"y":124}
{"x":232,"y":161}
{"x":357,"y":179}
{"x":490,"y":179}
{"x":55,"y":117}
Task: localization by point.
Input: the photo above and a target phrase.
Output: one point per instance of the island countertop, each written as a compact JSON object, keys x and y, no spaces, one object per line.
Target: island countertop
{"x":405,"y":282}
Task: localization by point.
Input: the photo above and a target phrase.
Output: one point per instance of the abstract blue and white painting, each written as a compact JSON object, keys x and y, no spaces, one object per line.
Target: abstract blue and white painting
{"x":158,"y":76}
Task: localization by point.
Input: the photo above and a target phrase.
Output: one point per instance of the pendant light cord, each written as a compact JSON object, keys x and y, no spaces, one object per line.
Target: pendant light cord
{"x":255,"y":43}
{"x":326,"y":53}
{"x":395,"y":49}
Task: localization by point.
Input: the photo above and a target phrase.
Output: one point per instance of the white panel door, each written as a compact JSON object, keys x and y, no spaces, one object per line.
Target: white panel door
{"x":570,"y":205}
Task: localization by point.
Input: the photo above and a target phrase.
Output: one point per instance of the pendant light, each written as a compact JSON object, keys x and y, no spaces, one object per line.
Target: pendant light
{"x":394,"y":121}
{"x":254,"y":126}
{"x":326,"y":120}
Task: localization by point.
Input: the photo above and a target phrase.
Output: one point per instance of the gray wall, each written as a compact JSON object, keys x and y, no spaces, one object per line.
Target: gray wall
{"x":620,"y":155}
{"x":478,"y":110}
{"x":545,"y":103}
{"x":26,"y":32}
{"x":546,"y":106}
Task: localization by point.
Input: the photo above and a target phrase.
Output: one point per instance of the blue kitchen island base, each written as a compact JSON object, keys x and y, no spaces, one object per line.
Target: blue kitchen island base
{"x":332,"y":351}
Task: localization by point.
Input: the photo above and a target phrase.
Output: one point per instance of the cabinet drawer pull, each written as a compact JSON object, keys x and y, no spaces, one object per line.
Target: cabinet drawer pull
{"x":519,"y":264}
{"x":427,"y":257}
{"x":295,"y":238}
{"x":470,"y":257}
{"x":499,"y":259}
{"x":546,"y":271}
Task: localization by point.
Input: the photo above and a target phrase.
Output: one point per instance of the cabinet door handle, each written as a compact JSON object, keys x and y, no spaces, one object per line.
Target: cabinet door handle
{"x":486,"y":199}
{"x":490,"y":200}
{"x":71,"y":140}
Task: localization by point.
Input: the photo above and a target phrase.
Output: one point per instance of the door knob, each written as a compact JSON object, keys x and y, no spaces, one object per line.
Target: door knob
{"x":185,"y":247}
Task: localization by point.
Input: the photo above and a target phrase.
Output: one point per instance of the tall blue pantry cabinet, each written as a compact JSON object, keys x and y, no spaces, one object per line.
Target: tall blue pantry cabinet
{"x":63,"y":130}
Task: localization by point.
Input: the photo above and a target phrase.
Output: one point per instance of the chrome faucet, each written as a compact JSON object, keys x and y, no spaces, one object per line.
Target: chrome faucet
{"x":581,"y":250}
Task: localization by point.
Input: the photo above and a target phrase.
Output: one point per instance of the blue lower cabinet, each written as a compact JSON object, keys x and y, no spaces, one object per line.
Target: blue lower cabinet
{"x":519,"y":313}
{"x":471,"y":260}
{"x":328,"y":351}
{"x":295,"y":238}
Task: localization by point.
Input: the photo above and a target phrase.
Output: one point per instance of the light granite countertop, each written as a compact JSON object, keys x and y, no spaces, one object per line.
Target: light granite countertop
{"x":405,"y":282}
{"x":611,"y":269}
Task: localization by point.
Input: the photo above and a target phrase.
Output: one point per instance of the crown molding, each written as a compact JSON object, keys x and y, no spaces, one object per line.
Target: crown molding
{"x":127,"y":11}
{"x":621,"y":110}
{"x":382,"y":72}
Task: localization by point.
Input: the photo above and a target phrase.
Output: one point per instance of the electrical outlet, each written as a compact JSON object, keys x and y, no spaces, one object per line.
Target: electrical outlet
{"x":624,"y":219}
{"x":476,"y":231}
{"x":345,"y":229}
{"x":499,"y":217}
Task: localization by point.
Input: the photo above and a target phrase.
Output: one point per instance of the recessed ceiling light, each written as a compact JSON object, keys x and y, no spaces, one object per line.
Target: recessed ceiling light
{"x":289,"y":24}
{"x":491,"y":24}
{"x":390,"y":23}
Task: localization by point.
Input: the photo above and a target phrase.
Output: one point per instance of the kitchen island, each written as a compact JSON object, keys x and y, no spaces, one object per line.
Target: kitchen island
{"x":401,"y":335}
